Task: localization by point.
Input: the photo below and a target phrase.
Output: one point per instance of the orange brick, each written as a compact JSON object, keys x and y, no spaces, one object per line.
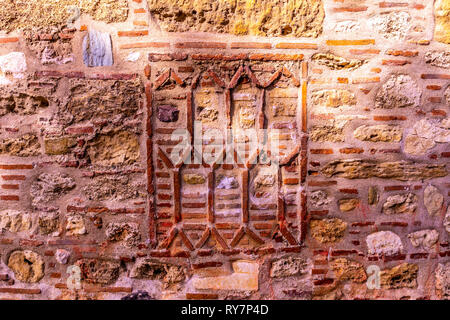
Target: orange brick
{"x":351,"y":150}
{"x":364,"y":51}
{"x":140,"y":10}
{"x":250,"y":45}
{"x":321,"y":151}
{"x":395,"y":62}
{"x":402,"y":53}
{"x":9,"y":40}
{"x":293,"y":45}
{"x":133,"y":33}
{"x":434,"y":87}
{"x":140,"y":23}
{"x":362,"y":42}
{"x":350,"y":9}
{"x":366,"y":80}
{"x":145,"y":45}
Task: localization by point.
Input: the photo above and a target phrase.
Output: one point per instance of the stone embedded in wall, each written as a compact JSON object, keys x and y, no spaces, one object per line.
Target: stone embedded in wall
{"x":264,"y":179}
{"x":319,"y":198}
{"x":48,"y":222}
{"x":244,"y":278}
{"x":347,"y":26}
{"x":437,"y":58}
{"x":443,"y":281}
{"x":58,"y":146}
{"x":62,"y":256}
{"x":25,"y":146}
{"x":114,"y":149}
{"x":302,"y":18}
{"x":424,"y":238}
{"x":13,"y":63}
{"x":346,"y":205}
{"x":442,"y":21}
{"x":169,"y":274}
{"x":425,"y":135}
{"x":433,"y":200}
{"x":332,"y":132}
{"x":398,"y":170}
{"x":138,"y":295}
{"x":328,"y":230}
{"x":99,"y":271}
{"x":400,"y":203}
{"x":15,"y":15}
{"x":117,"y":188}
{"x":379,"y":133}
{"x":401,"y":276}
{"x":393,"y":25}
{"x":51,"y":45}
{"x":446,"y":222}
{"x":373,"y":196}
{"x":125,"y":232}
{"x":346,"y":269}
{"x":97,"y":49}
{"x":50,"y":186}
{"x":398,"y":91}
{"x":27,"y":265}
{"x":335,"y":62}
{"x":333,"y":98}
{"x":168,"y":113}
{"x":14,"y":221}
{"x":21,"y":102}
{"x":194,"y":178}
{"x":447,"y":99}
{"x":384,"y":243}
{"x":226,"y":182}
{"x":415,"y":145}
{"x":75,"y":225}
{"x":288,"y":267}
{"x":90,"y":100}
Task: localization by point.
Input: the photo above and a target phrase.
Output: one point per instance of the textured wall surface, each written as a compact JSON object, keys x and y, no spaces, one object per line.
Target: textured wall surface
{"x":356,"y":93}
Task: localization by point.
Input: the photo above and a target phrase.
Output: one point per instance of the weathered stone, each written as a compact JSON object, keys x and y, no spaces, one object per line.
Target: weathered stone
{"x":333,"y":98}
{"x":57,"y":146}
{"x":244,"y":278}
{"x":16,"y":15}
{"x":447,"y":95}
{"x":332,"y":133}
{"x":442,"y":21}
{"x":14,"y":221}
{"x":193,"y":178}
{"x":347,"y":26}
{"x":114,"y":149}
{"x":384,"y":243}
{"x":302,"y":18}
{"x":284,"y":109}
{"x":399,"y":91}
{"x":113,"y":188}
{"x":75,"y":225}
{"x":88,"y":100}
{"x":13,"y":63}
{"x":62,"y":256}
{"x":169,"y":274}
{"x":99,"y":271}
{"x":50,"y":186}
{"x":28,"y":266}
{"x":379,"y":133}
{"x":168,"y":113}
{"x":439,"y":59}
{"x":328,"y":230}
{"x":401,"y":276}
{"x":26,"y":146}
{"x":334,"y":62}
{"x":346,"y":205}
{"x":416,"y":145}
{"x":400,"y":203}
{"x":394,"y":25}
{"x":425,"y":238}
{"x":247,"y":117}
{"x":227,"y":182}
{"x":398,"y":170}
{"x":125,"y":232}
{"x":443,"y":281}
{"x":208,"y":114}
{"x":319,"y":198}
{"x":263,"y":179}
{"x":373,"y":196}
{"x":446,"y":222}
{"x":428,"y":132}
{"x":97,"y":49}
{"x":433,"y":200}
{"x":21,"y":102}
{"x":48,"y":223}
{"x":287,"y":267}
{"x":345,"y":269}
{"x":138,"y":295}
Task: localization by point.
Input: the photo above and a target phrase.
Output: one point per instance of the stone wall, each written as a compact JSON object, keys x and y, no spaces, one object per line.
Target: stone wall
{"x":355,"y":93}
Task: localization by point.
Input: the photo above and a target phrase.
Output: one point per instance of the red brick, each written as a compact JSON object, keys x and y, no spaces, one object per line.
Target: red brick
{"x":294,"y":45}
{"x":395,"y":62}
{"x":137,"y":45}
{"x":250,"y":45}
{"x":133,"y":33}
{"x":201,"y":45}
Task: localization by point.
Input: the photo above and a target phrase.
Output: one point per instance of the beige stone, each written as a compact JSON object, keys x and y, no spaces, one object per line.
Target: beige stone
{"x":25,"y":146}
{"x":416,"y":145}
{"x":328,"y":230}
{"x":346,"y":205}
{"x":346,"y":269}
{"x":194,"y":178}
{"x":15,"y":221}
{"x":169,"y":274}
{"x":333,"y":98}
{"x":379,"y":133}
{"x":442,"y":21}
{"x":401,"y":276}
{"x":75,"y":225}
{"x":287,"y":267}
{"x":299,"y":18}
{"x":443,"y":281}
{"x":446,"y":222}
{"x":116,"y":148}
{"x":373,"y":196}
{"x":424,"y":238}
{"x":400,"y":203}
{"x":244,"y":277}
{"x":384,"y":243}
{"x":57,"y":146}
{"x":28,"y":266}
{"x":398,"y":91}
{"x":335,"y":62}
{"x":398,"y":170}
{"x":433,"y":200}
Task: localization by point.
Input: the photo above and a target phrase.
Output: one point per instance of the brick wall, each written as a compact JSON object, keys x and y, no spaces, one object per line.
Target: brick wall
{"x":354,"y":92}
